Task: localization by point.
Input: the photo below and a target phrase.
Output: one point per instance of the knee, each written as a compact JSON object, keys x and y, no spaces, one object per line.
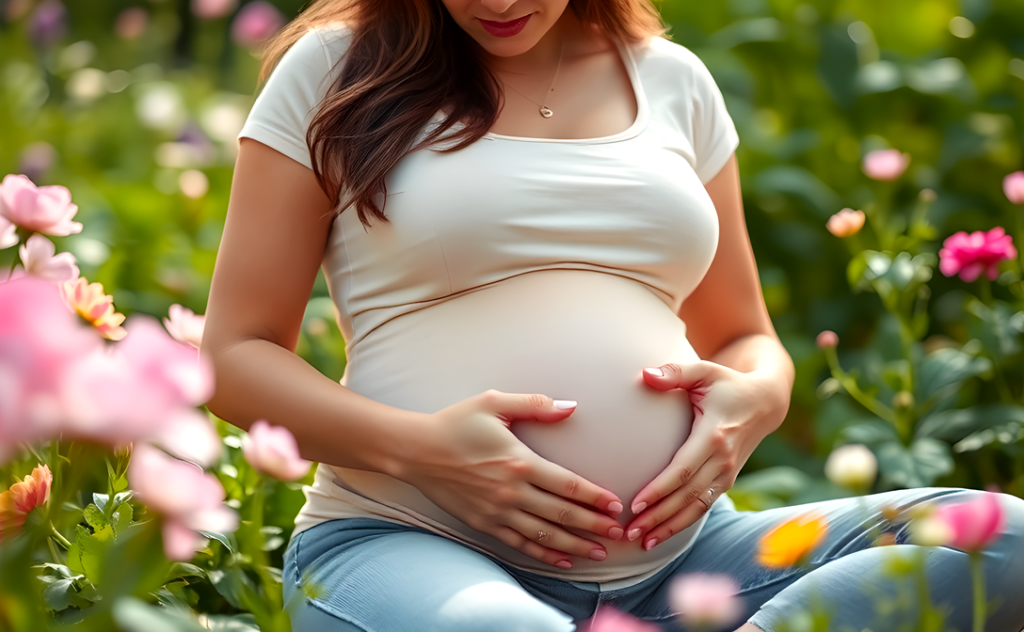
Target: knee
{"x":500,"y":607}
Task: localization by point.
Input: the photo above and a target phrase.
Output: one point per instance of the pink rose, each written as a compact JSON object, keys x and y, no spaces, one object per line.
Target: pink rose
{"x":37,"y":255}
{"x":189,"y":499}
{"x":885,"y":164}
{"x":1013,"y":187}
{"x":256,"y":22}
{"x":974,"y":525}
{"x":212,"y":9}
{"x":272,"y":450}
{"x":38,"y":209}
{"x":608,"y":619}
{"x":970,"y":255}
{"x":706,"y":601}
{"x":8,"y":233}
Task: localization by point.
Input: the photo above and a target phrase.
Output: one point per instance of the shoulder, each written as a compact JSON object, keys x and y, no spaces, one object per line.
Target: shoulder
{"x":320,"y":48}
{"x":664,"y":62}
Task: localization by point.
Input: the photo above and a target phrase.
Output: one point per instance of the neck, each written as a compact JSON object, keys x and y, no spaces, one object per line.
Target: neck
{"x":540,"y":60}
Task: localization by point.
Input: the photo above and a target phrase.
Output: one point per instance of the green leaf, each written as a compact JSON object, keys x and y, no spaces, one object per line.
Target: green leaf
{"x":123,"y":517}
{"x":954,"y":425}
{"x":220,"y":537}
{"x":59,"y":594}
{"x":232,"y":623}
{"x":94,"y":516}
{"x":919,"y":466}
{"x":235,"y":586}
{"x":88,"y":552}
{"x":100,"y":500}
{"x":182,"y":569}
{"x":947,"y":369}
{"x":869,"y":433}
{"x":134,"y":615}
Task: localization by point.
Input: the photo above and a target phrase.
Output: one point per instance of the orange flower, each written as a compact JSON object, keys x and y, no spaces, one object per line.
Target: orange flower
{"x":23,"y":497}
{"x":792,"y":542}
{"x":95,"y":307}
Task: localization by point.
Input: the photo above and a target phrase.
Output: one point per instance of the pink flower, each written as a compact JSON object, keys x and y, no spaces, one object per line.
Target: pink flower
{"x":845,"y":223}
{"x":96,"y":308}
{"x":608,"y":619}
{"x":272,"y":450}
{"x":212,"y":9}
{"x":8,"y":233}
{"x":827,"y":339}
{"x":1013,"y":187}
{"x":706,"y":601}
{"x":185,"y":326}
{"x":40,"y":341}
{"x":974,"y":524}
{"x":970,"y":255}
{"x":885,"y":164}
{"x":189,"y":499}
{"x":37,"y":255}
{"x":38,"y":209}
{"x":256,"y":22}
{"x":131,"y":23}
{"x":144,"y":389}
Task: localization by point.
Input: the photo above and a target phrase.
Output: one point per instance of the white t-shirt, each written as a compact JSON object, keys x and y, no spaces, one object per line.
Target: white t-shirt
{"x":527,"y":265}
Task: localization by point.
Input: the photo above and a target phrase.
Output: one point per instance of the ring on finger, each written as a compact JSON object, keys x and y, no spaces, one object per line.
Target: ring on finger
{"x":707,"y":498}
{"x":542,"y":535}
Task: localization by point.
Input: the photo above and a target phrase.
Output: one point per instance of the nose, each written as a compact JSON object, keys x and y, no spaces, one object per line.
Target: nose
{"x":497,"y":6}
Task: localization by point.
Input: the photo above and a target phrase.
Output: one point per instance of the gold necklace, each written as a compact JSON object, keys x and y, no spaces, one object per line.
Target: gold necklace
{"x":545,"y":111}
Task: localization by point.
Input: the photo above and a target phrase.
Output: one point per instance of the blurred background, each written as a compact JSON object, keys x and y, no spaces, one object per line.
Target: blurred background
{"x":134,"y":105}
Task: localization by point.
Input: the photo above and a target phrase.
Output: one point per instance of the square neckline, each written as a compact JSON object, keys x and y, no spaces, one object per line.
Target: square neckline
{"x":638,"y":126}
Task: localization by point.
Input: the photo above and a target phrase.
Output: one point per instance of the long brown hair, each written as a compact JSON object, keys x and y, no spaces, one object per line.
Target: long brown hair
{"x":408,"y":60}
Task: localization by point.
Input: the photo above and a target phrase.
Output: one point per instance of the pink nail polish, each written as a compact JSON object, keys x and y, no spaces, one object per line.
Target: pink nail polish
{"x":650,"y":544}
{"x":615,"y":507}
{"x":633,"y":534}
{"x":598,"y":555}
{"x":638,"y":507}
{"x":566,"y":564}
{"x":615,"y":533}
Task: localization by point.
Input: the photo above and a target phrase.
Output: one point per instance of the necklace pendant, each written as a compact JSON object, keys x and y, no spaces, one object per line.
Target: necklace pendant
{"x":546,"y":112}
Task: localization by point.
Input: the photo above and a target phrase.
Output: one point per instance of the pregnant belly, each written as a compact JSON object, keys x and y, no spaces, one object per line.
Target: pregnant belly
{"x":568,"y":334}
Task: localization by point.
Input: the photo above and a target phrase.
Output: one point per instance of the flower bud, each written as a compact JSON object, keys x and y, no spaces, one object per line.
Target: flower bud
{"x":885,"y":164}
{"x":827,"y":339}
{"x":845,"y":223}
{"x":1013,"y":187}
{"x":853,"y":466}
{"x":930,"y":531}
{"x":903,"y":399}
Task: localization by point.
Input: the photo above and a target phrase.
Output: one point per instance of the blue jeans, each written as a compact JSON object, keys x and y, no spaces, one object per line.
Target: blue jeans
{"x":375,"y":576}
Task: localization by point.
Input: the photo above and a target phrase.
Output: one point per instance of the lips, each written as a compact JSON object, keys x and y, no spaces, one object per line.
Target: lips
{"x":506,"y":29}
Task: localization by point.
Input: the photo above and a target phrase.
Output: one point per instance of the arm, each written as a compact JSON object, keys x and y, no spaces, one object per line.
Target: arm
{"x":741,"y":389}
{"x":463,"y":458}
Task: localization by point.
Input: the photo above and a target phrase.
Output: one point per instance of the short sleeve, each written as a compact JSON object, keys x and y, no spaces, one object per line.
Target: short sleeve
{"x":285,"y":107}
{"x":714,"y":134}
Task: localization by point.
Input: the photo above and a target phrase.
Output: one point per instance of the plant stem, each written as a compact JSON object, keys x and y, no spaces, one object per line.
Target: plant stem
{"x":851,"y":387}
{"x":59,"y":538}
{"x":978,"y":580}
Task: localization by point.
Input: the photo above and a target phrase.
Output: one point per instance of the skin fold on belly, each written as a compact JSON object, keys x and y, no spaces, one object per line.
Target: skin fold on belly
{"x":568,"y":334}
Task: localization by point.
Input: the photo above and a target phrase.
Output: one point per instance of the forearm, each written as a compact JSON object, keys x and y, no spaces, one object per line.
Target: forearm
{"x":257,"y":379}
{"x":765,"y":358}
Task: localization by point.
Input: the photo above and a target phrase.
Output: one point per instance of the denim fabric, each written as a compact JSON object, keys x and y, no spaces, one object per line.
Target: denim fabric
{"x":374,"y":576}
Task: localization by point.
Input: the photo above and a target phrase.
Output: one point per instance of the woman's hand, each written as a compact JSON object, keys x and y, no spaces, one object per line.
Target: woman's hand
{"x":469,"y":463}
{"x":732,"y":413}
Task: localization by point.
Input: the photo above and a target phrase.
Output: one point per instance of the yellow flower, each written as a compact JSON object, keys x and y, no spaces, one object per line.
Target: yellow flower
{"x":95,"y":307}
{"x":792,"y":542}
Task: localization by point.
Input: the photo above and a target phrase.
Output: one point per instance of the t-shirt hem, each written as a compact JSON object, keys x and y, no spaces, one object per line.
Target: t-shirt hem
{"x":714,"y":163}
{"x":275,"y":140}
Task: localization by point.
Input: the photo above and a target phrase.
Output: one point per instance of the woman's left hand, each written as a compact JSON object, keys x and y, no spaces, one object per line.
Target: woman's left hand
{"x":732,"y":413}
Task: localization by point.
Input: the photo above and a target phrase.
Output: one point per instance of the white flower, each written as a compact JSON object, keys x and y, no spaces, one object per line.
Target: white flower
{"x":852,"y":466}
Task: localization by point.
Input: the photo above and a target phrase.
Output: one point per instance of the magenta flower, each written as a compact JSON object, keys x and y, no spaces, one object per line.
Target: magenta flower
{"x":975,"y":524}
{"x":189,"y":499}
{"x":256,"y":22}
{"x":40,"y":341}
{"x":36,"y":160}
{"x":272,"y":450}
{"x":185,"y":326}
{"x":885,"y":164}
{"x":37,"y":255}
{"x":970,"y":255}
{"x":212,"y":9}
{"x":608,"y":619}
{"x":48,"y":23}
{"x":38,"y":209}
{"x":706,"y":601}
{"x":1013,"y":187}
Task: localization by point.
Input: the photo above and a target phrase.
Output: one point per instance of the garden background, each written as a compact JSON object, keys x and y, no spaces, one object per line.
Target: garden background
{"x":134,"y":106}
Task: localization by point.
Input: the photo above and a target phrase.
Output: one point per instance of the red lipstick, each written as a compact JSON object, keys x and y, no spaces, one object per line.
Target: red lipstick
{"x":506,"y":29}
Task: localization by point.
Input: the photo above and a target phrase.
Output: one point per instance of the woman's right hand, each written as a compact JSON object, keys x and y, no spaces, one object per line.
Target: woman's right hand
{"x":468,"y":463}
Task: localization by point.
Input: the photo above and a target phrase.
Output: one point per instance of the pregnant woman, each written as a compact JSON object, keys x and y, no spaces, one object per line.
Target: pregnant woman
{"x":528,"y":214}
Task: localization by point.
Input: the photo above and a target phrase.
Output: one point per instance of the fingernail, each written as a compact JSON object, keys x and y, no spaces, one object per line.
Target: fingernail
{"x":633,"y":534}
{"x":654,"y":372}
{"x":615,"y":507}
{"x":566,"y":564}
{"x":564,"y":404}
{"x":650,"y":544}
{"x":598,"y":555}
{"x":638,"y":507}
{"x":615,"y":533}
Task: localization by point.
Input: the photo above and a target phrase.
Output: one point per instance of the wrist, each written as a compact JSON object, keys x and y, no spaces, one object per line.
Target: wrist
{"x":399,"y":444}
